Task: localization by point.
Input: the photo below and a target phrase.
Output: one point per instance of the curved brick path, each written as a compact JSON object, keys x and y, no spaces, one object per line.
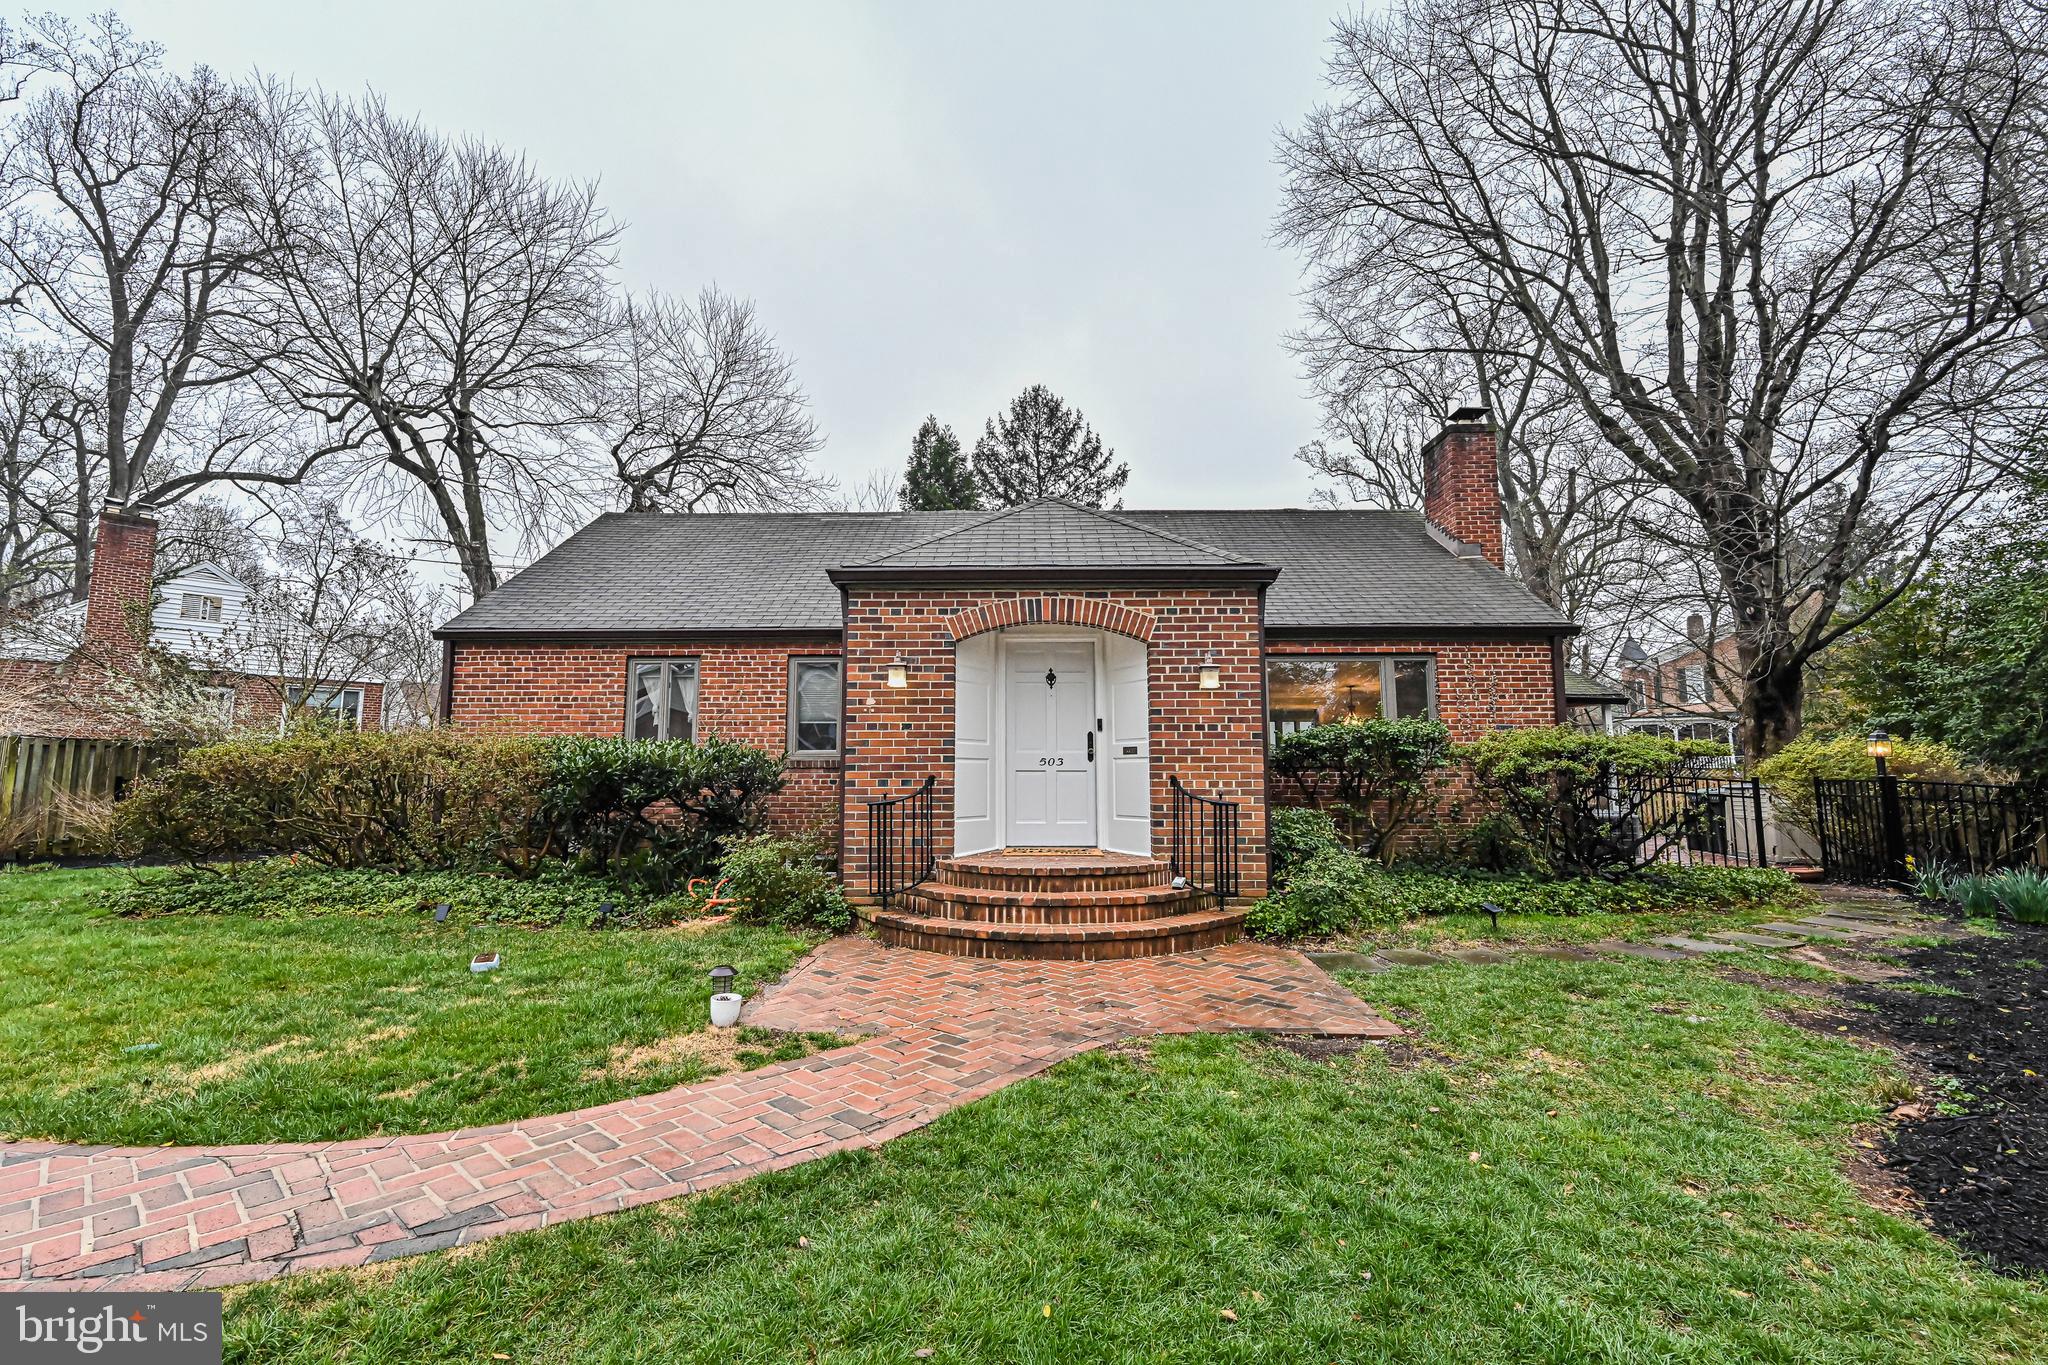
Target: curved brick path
{"x":946,"y":1031}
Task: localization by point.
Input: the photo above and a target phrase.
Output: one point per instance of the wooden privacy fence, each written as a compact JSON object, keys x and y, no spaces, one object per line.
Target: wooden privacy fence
{"x":52,"y":791}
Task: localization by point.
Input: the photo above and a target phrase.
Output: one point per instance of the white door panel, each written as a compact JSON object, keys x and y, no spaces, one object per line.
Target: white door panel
{"x":975,"y":824}
{"x":1049,"y":720}
{"x":1127,"y":743}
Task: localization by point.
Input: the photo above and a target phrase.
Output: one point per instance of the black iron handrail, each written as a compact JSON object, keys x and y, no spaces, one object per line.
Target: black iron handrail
{"x":1203,"y":854}
{"x":901,"y":853}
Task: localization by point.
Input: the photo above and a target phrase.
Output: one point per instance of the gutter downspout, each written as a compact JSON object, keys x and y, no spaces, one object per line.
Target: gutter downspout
{"x":1557,"y":677}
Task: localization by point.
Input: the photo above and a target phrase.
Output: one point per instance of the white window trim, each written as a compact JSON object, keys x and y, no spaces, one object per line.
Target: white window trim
{"x":668,"y":661}
{"x":223,"y":699}
{"x":211,"y":607}
{"x":839,"y":722}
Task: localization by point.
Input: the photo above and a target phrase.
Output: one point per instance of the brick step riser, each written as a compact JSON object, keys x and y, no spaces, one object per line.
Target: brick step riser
{"x":1080,"y":911}
{"x":1055,"y":950}
{"x":1053,"y":884}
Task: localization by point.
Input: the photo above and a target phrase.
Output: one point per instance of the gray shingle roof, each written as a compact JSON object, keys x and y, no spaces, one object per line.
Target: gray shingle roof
{"x":1587,"y":689}
{"x":1052,"y":533}
{"x":647,"y":572}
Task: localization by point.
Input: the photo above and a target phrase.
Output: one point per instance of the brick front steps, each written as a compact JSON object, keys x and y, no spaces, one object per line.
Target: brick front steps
{"x":1083,"y":906}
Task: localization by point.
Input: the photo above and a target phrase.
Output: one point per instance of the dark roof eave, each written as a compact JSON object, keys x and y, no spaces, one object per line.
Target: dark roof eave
{"x":1423,"y":630}
{"x":598,"y":635}
{"x":1010,"y":575}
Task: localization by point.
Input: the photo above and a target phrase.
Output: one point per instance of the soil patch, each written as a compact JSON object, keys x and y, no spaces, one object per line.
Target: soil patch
{"x":1974,"y":1151}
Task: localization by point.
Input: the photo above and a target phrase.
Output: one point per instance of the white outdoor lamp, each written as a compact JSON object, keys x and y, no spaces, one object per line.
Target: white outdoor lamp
{"x":899,"y":672}
{"x":1211,"y":675}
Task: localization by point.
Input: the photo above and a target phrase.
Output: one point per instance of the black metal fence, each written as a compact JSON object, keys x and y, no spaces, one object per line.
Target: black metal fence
{"x":901,"y":853}
{"x":1204,"y":842}
{"x":1870,"y":827}
{"x":1690,"y":815}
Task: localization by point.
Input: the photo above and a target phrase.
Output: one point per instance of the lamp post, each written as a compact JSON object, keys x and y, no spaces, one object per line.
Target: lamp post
{"x":1879,"y":747}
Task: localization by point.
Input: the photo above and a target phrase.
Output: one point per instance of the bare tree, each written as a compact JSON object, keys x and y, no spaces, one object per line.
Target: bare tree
{"x":441,"y":309}
{"x":1752,"y":243}
{"x":700,"y":411}
{"x":126,"y":236}
{"x":46,"y":495}
{"x":327,"y":607}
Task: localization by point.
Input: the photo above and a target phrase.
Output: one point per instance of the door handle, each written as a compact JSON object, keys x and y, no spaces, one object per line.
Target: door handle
{"x":1091,"y":746}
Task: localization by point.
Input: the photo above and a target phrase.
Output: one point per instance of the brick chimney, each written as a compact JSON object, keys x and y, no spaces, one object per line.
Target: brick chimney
{"x":117,"y":597}
{"x":1461,"y":483}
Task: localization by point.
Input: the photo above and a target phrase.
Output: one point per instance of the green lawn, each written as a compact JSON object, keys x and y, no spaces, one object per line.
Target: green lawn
{"x":1613,"y":1160}
{"x":1472,"y":930}
{"x":229,"y":1029}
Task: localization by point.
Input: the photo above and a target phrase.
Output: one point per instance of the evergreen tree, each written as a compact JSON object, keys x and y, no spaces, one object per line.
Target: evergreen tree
{"x":1042,"y":448}
{"x":937,"y":478}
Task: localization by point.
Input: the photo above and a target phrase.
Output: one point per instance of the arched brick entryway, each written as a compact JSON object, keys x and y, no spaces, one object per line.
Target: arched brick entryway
{"x":1050,"y":611}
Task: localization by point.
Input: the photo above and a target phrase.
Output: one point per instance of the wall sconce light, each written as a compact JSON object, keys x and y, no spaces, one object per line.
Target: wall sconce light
{"x":899,"y":673}
{"x":1212,"y":675}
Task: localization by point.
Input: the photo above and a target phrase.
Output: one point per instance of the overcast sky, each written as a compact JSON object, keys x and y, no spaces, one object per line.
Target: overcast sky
{"x":933,"y":205}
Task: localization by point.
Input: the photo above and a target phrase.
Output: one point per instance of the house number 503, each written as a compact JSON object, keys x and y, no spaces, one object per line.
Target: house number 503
{"x":1052,"y":763}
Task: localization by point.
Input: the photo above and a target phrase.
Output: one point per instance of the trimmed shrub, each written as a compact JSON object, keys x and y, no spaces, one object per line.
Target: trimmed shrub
{"x":653,"y":811}
{"x":1554,"y":783}
{"x":1332,"y":891}
{"x":1375,"y":775}
{"x":1789,"y":773}
{"x":1298,"y":834}
{"x":401,"y":799}
{"x":785,"y":883}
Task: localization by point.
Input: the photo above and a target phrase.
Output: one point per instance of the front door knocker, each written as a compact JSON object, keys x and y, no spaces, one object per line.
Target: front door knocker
{"x":1051,"y":678}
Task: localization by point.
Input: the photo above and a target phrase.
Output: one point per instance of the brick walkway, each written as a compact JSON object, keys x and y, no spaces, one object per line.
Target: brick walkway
{"x":944,"y":1031}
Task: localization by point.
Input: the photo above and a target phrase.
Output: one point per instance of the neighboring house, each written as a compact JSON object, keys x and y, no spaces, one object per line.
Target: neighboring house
{"x":87,"y":670}
{"x":1682,"y":691}
{"x":1593,"y":703}
{"x":1051,"y":669}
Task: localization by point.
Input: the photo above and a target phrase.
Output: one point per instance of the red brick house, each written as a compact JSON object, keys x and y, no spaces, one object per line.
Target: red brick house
{"x":101,"y":673}
{"x":1044,"y":677}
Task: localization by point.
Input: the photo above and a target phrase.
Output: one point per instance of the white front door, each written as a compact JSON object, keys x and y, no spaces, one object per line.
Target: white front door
{"x":1050,"y":740}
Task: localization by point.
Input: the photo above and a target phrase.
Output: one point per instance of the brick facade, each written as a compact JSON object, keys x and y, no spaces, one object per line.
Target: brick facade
{"x":1461,"y":484}
{"x":1214,"y":741}
{"x":1481,"y":685}
{"x":580,"y":689}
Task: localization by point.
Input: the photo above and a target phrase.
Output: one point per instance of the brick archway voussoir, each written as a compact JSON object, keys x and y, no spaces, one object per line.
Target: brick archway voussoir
{"x":1051,"y":611}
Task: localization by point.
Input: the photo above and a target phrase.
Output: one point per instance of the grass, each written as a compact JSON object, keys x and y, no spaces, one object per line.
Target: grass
{"x":1458,"y":930}
{"x":1618,"y":1161}
{"x":231,"y":1029}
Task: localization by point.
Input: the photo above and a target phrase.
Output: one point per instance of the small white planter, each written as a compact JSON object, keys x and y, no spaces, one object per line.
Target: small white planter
{"x":725,"y":1009}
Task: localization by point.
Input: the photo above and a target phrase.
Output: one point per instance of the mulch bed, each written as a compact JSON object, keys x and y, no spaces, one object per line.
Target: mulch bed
{"x":1980,"y":1174}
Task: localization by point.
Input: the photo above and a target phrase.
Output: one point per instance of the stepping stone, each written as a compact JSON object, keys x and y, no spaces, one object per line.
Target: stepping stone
{"x":1478,"y":956}
{"x":1650,"y":951}
{"x":1805,"y":931}
{"x":1756,"y":940}
{"x":1696,"y":945}
{"x":1411,"y":957}
{"x":1349,"y":962}
{"x":1563,"y":953}
{"x":1869,"y":913}
{"x":1844,"y":926}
